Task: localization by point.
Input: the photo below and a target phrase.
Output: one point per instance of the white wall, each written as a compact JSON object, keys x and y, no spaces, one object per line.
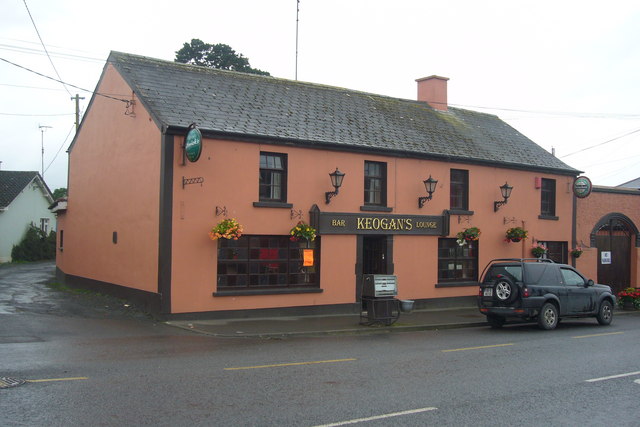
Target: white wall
{"x":30,"y":205}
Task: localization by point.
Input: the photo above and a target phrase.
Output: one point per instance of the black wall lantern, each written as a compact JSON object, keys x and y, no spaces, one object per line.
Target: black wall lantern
{"x":430,"y":185}
{"x":506,"y":193}
{"x":336,"y":181}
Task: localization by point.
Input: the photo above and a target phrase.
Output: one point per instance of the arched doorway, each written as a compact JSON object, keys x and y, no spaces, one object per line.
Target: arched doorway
{"x":613,"y":236}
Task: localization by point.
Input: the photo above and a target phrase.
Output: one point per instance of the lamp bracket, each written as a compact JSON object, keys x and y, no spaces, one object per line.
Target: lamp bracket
{"x":496,"y":205}
{"x":329,"y":194}
{"x":423,"y":200}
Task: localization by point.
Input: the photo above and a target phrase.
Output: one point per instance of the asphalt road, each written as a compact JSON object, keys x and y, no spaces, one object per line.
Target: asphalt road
{"x":92,"y":361}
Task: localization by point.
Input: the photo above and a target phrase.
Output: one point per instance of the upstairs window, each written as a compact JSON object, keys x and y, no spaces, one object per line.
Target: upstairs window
{"x":459,"y":191}
{"x":44,"y":226}
{"x":273,"y":177}
{"x":548,"y":198}
{"x":375,"y":183}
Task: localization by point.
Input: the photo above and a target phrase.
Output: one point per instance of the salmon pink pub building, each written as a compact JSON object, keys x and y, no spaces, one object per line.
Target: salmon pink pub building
{"x":411,"y":188}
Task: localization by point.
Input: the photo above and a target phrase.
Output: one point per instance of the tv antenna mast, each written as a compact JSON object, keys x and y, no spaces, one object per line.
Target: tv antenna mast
{"x":297,"y":20}
{"x":43,"y":128}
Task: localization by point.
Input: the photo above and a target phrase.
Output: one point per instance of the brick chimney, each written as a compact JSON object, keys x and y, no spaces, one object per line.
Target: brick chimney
{"x":433,"y":91}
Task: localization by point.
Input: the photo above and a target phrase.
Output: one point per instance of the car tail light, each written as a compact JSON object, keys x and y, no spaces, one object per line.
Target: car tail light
{"x":525,"y":293}
{"x":480,"y":292}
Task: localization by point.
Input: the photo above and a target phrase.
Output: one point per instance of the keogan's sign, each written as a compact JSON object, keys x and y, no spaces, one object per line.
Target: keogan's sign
{"x":348,"y":223}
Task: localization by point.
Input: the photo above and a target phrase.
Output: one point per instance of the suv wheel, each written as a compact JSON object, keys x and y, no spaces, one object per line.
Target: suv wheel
{"x":505,"y":290}
{"x":605,"y":313}
{"x":548,"y":317}
{"x":494,"y":321}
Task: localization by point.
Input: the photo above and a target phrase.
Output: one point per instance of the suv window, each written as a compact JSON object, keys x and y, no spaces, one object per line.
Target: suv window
{"x":514,"y":272}
{"x":570,"y":277}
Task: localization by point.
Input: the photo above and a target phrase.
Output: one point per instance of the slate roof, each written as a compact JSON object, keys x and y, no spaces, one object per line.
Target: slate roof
{"x":250,"y":106}
{"x":634,"y":183}
{"x":13,"y":182}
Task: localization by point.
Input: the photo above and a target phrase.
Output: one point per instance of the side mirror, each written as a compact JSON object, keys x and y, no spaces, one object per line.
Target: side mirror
{"x":589,"y":283}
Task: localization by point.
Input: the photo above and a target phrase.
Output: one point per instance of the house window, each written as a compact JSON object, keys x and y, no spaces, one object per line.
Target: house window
{"x":375,"y":183}
{"x":557,"y":251}
{"x":457,"y":263}
{"x":44,"y":226}
{"x":266,"y":262}
{"x":548,"y":198}
{"x":459,"y":192}
{"x":273,"y":177}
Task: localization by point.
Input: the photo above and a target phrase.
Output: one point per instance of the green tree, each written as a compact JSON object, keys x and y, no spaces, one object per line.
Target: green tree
{"x":220,"y":56}
{"x":59,"y":192}
{"x":35,"y":246}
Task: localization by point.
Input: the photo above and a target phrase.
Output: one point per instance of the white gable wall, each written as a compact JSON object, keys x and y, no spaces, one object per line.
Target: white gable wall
{"x":28,"y":207}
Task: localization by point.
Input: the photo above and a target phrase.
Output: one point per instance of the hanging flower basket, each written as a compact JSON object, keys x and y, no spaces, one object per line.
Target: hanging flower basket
{"x":576,"y":252}
{"x":226,"y":229}
{"x":538,"y":250}
{"x":302,"y":231}
{"x":516,"y":234}
{"x":629,"y":299}
{"x":468,"y":235}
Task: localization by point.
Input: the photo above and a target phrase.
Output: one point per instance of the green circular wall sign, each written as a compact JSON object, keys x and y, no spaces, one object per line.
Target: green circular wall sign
{"x":582,"y":187}
{"x":193,"y":144}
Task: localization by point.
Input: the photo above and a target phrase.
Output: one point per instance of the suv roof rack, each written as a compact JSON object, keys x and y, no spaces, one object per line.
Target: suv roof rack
{"x":523,"y":260}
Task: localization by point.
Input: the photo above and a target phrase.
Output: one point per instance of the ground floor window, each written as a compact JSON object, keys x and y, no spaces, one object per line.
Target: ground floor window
{"x":457,"y":263}
{"x":557,"y":251}
{"x":267,"y":262}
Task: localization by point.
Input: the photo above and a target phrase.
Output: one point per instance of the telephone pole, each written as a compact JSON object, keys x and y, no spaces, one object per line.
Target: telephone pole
{"x":77,"y":98}
{"x":42,"y":129}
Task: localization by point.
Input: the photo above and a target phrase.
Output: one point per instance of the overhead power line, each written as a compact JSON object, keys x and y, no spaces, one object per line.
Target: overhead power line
{"x":602,"y":143}
{"x":35,"y":115}
{"x":44,"y":46}
{"x":555,"y":113}
{"x":126,"y":101}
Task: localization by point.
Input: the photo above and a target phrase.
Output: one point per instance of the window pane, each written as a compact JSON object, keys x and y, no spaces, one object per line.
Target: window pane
{"x":272,"y":185}
{"x":263,"y":262}
{"x":548,"y":197}
{"x":459,"y":189}
{"x":375,"y":183}
{"x":457,"y":263}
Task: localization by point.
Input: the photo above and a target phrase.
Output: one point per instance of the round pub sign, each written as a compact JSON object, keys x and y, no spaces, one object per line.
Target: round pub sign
{"x":582,"y":187}
{"x":193,"y":144}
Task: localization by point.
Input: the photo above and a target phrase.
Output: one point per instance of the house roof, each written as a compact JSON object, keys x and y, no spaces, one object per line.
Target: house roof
{"x":634,"y":183}
{"x":13,"y":182}
{"x":239,"y":105}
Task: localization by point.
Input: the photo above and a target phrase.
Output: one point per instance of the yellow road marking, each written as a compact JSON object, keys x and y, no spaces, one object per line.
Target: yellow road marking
{"x":477,"y":348}
{"x":289,"y":364}
{"x":57,"y":379}
{"x":599,"y":335}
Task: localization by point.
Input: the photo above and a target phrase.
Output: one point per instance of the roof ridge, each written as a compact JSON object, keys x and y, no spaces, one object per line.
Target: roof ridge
{"x":200,"y":68}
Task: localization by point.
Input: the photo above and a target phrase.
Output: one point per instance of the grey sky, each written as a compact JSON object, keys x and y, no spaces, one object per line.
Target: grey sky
{"x":564,"y":73}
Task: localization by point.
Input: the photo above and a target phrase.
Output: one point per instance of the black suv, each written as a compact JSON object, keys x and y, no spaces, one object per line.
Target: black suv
{"x":541,"y":290}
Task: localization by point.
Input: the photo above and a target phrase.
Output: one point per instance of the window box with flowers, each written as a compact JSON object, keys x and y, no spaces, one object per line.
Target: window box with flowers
{"x":226,"y":229}
{"x":516,"y":234}
{"x":629,"y":299}
{"x":467,"y":236}
{"x":576,"y":252}
{"x":538,"y":250}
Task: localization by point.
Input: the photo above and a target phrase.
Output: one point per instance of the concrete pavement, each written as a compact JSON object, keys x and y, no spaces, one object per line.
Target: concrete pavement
{"x":272,"y":327}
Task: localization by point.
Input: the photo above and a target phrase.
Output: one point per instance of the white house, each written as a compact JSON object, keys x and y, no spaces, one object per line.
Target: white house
{"x":24,"y":200}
